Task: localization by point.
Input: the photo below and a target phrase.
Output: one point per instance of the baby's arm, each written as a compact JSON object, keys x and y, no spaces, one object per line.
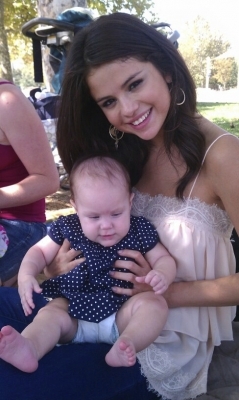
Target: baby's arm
{"x":163,"y":269}
{"x":37,"y":257}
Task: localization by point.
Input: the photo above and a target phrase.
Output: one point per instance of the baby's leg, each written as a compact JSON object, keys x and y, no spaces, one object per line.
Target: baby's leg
{"x":140,"y":321}
{"x":51,"y":325}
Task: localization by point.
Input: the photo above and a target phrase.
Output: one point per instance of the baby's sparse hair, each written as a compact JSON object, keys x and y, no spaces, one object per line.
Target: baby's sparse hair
{"x":101,"y":167}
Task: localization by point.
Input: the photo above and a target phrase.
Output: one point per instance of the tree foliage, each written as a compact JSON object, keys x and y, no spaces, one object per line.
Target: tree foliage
{"x":141,"y":8}
{"x":224,"y":73}
{"x":16,"y":13}
{"x":5,"y":66}
{"x":200,"y":42}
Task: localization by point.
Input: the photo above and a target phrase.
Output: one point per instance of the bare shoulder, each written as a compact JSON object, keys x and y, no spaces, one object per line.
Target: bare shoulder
{"x":11,"y":95}
{"x":221,"y":145}
{"x":17,"y":116}
{"x":220,"y":170}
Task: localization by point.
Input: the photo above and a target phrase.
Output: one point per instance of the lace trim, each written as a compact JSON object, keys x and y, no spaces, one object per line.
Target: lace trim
{"x":159,"y":207}
{"x":168,"y":381}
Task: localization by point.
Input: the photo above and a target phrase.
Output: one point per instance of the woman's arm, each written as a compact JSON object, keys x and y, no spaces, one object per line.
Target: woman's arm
{"x":211,"y":293}
{"x":21,"y":128}
{"x":218,"y":292}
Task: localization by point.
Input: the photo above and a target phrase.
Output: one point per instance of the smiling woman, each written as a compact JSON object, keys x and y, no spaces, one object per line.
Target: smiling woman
{"x":129,"y":102}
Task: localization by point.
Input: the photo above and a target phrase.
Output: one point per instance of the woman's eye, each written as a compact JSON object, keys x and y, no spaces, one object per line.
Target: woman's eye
{"x":107,"y":103}
{"x":135,"y":84}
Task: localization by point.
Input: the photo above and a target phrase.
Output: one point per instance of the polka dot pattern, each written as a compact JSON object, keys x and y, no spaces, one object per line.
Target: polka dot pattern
{"x":88,"y":286}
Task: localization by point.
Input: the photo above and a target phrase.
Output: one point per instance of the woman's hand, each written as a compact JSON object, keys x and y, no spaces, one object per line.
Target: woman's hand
{"x":138,"y":267}
{"x":64,"y":261}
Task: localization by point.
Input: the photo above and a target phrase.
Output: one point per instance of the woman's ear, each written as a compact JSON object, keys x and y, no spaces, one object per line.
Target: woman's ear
{"x":131,"y":199}
{"x":168,"y":79}
{"x":73,"y":204}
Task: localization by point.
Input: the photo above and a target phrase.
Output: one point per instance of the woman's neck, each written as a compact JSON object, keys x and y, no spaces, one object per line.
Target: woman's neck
{"x":160,"y":174}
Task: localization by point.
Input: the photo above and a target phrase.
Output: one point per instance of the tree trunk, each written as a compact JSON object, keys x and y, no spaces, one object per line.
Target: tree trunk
{"x":5,"y":63}
{"x":51,"y":9}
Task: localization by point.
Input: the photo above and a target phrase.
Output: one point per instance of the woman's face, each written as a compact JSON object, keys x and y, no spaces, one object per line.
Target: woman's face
{"x":133,"y":95}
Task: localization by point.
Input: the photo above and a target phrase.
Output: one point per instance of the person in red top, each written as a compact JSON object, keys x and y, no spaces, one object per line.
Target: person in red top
{"x":27,"y":175}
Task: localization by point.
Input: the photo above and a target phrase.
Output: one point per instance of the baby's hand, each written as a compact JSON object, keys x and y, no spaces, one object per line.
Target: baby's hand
{"x":156,"y":279}
{"x":25,"y":289}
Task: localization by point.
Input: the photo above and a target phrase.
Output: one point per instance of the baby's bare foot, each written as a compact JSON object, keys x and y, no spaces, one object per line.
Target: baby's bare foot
{"x":17,"y":350}
{"x":122,"y":354}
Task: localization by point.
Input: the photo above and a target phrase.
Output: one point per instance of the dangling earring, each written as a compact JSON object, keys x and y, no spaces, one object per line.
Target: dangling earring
{"x":184,"y":98}
{"x":115,"y":135}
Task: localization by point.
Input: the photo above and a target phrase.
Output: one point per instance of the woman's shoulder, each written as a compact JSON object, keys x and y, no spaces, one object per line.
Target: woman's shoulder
{"x":212,"y":132}
{"x":220,"y":144}
{"x":11,"y":98}
{"x":5,"y":82}
{"x":220,"y":166}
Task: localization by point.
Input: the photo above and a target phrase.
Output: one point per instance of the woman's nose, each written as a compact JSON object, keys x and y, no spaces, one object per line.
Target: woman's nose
{"x":128,"y":107}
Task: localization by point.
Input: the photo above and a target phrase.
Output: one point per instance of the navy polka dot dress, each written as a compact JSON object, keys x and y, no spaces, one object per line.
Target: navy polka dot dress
{"x":88,"y":286}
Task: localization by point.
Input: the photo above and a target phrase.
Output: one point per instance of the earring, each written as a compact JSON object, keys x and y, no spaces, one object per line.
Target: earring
{"x":184,"y":98}
{"x":115,"y":135}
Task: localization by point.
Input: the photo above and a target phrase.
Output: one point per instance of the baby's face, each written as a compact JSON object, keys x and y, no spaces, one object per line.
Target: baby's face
{"x":103,"y":209}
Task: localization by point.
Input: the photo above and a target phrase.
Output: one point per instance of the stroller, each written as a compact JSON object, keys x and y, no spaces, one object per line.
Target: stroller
{"x":57,"y":35}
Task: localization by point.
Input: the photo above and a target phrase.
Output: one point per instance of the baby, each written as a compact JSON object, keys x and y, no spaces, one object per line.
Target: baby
{"x":84,"y":307}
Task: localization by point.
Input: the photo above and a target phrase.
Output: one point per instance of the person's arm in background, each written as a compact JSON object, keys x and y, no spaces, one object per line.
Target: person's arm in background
{"x":21,"y":127}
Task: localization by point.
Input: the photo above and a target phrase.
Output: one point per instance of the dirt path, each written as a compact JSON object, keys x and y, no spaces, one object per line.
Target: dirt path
{"x":58,"y":204}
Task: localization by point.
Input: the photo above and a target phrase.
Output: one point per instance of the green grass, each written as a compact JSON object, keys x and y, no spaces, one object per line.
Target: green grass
{"x":226,"y":115}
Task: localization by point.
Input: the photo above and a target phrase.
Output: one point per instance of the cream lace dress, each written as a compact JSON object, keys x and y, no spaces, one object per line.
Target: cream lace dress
{"x":198,"y":236}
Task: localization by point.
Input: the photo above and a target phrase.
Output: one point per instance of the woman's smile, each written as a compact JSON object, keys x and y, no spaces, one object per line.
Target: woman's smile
{"x":141,"y":119}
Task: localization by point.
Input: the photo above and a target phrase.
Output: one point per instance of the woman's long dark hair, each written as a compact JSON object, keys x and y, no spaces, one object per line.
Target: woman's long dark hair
{"x":82,"y":126}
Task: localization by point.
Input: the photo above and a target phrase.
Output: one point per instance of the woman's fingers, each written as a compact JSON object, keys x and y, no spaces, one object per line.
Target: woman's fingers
{"x":126,"y":276}
{"x":65,"y":254}
{"x":64,"y":261}
{"x":137,"y":288}
{"x":127,"y":292}
{"x":137,"y":265}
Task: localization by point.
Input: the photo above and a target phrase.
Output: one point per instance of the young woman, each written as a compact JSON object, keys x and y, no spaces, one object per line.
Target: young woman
{"x":127,"y":91}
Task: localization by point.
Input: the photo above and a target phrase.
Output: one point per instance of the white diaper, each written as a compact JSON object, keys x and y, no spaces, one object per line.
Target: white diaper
{"x":105,"y":331}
